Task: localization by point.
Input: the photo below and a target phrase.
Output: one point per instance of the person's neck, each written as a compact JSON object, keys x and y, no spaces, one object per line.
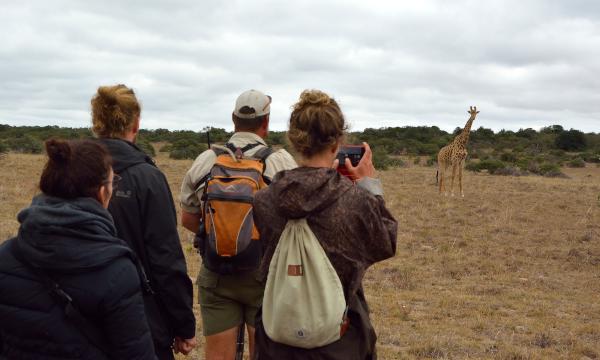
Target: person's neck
{"x":318,"y":161}
{"x":259,"y":133}
{"x":129,"y":137}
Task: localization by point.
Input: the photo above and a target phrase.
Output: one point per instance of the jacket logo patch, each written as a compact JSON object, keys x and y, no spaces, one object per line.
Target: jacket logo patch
{"x":123,"y":193}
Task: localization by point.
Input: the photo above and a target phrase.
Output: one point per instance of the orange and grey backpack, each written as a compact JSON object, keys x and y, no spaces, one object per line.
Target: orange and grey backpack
{"x":228,"y":239}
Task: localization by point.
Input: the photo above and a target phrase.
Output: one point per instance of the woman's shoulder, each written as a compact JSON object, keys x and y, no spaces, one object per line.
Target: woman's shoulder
{"x":121,"y":270}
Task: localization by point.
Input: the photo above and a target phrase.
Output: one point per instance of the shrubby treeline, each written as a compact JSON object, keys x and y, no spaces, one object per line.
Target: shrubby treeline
{"x":538,"y":151}
{"x":29,"y":139}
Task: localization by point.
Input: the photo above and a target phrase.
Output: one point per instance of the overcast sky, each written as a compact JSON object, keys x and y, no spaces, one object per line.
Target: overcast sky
{"x":388,"y":63}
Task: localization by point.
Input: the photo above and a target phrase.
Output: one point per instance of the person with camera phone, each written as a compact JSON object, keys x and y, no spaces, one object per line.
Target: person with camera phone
{"x":320,"y":232}
{"x":352,"y":153}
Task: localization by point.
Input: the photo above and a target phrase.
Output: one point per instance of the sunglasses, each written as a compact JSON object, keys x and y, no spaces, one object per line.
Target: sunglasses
{"x":115,"y":181}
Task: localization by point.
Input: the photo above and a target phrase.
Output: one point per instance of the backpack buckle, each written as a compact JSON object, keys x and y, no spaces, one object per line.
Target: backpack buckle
{"x":239,"y":154}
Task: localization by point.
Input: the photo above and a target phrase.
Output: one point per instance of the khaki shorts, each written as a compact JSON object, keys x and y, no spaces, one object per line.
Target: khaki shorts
{"x":226,"y":301}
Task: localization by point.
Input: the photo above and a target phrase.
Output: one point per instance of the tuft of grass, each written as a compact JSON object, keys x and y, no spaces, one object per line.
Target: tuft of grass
{"x":543,"y":340}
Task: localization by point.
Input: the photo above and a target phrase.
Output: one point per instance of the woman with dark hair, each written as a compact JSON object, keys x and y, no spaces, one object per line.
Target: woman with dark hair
{"x":349,"y":220}
{"x":69,"y":288}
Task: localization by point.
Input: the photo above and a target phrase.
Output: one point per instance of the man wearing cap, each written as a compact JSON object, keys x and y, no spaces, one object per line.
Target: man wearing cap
{"x":226,"y":301}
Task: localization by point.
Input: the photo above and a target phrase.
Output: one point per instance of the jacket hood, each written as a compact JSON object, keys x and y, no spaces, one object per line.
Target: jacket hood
{"x":68,"y":235}
{"x":305,"y":190}
{"x":125,"y":154}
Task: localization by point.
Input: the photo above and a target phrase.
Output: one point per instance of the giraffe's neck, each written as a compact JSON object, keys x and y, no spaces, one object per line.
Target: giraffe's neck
{"x":463,"y":138}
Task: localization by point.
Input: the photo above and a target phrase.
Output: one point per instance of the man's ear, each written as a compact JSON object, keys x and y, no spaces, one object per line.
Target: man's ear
{"x":136,"y":125}
{"x":265,"y":122}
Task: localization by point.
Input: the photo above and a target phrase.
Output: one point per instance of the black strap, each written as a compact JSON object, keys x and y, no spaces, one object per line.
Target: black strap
{"x":263,"y":154}
{"x":90,"y":331}
{"x":239,"y":345}
{"x":245,"y":148}
{"x":144,"y":278}
{"x":242,"y":150}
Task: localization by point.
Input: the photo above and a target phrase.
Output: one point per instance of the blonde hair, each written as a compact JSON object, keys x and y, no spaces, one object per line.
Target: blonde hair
{"x":316,"y":123}
{"x":114,"y":111}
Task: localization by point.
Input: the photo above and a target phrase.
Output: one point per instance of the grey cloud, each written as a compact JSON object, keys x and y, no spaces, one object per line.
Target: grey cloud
{"x":525,"y":64}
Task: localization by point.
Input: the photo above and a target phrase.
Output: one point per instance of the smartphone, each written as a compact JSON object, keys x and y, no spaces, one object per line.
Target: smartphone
{"x":352,"y":152}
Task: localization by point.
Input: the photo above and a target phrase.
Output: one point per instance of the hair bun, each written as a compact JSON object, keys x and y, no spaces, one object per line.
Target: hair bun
{"x":313,"y":97}
{"x":108,"y":94}
{"x":58,"y":151}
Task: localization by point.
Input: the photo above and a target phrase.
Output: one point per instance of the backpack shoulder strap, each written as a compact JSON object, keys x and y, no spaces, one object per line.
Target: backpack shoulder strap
{"x":250,"y":146}
{"x":91,"y":332}
{"x":262,"y":155}
{"x":218,"y":150}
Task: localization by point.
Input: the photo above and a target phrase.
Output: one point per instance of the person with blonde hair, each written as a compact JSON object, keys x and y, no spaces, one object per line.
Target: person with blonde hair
{"x":145,"y":217}
{"x":349,"y":220}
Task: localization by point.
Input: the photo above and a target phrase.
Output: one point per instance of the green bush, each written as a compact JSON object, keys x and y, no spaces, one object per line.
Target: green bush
{"x":558,"y":153}
{"x":417,"y":160}
{"x":473,"y":166}
{"x":186,"y":149}
{"x":571,"y":140}
{"x":382,"y":161}
{"x":524,"y":162}
{"x":491,"y":165}
{"x":3,"y":147}
{"x":508,"y":157}
{"x":591,"y":157}
{"x":576,"y":163}
{"x":549,"y":169}
{"x":427,"y":149}
{"x":166,"y":148}
{"x":146,"y":146}
{"x":25,"y":144}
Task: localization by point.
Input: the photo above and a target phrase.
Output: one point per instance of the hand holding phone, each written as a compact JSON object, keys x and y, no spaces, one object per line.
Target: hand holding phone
{"x":355,"y":161}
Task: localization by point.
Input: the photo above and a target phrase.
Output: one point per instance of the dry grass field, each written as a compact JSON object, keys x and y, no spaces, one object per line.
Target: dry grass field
{"x":511,"y":271}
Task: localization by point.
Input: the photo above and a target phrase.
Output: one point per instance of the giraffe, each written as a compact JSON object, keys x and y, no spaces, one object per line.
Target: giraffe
{"x":454,"y":154}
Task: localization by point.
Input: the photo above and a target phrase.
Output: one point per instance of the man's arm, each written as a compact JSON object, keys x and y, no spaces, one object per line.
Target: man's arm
{"x":190,"y":221}
{"x":188,"y":196}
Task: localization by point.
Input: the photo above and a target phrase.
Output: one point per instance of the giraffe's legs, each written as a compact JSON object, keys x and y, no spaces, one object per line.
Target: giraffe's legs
{"x":454,"y":166}
{"x":441,"y":179}
{"x":460,"y":174}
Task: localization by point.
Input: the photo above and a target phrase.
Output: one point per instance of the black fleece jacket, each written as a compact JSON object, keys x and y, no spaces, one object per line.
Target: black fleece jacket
{"x":145,"y":217}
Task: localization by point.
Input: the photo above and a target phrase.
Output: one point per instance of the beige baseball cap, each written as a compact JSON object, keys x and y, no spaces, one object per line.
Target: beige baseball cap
{"x":251,"y":104}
